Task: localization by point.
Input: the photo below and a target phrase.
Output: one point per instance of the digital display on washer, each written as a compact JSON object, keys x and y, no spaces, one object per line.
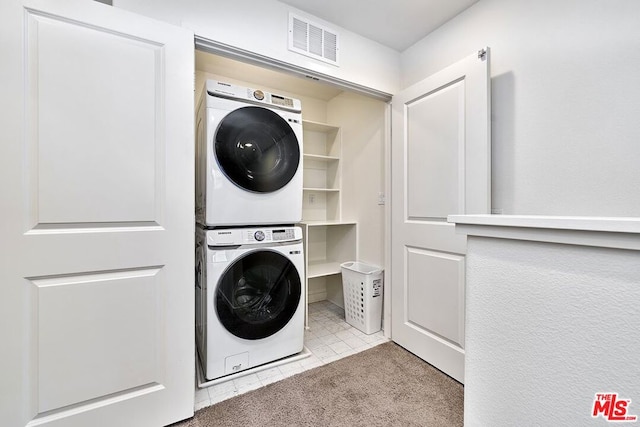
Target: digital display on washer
{"x":283,"y":234}
{"x":280,"y":100}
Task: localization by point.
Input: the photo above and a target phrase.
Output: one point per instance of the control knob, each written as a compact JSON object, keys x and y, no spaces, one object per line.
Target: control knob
{"x":259,"y":235}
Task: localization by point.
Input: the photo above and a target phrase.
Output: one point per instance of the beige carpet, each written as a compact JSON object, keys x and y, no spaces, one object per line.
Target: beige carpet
{"x":382,"y":386}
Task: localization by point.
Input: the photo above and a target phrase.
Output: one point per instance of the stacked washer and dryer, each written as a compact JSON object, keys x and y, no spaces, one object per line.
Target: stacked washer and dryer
{"x":249,"y":255}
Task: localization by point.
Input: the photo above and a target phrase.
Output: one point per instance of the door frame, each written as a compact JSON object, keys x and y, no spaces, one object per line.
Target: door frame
{"x":211,"y":46}
{"x":386,"y":324}
{"x":216,"y":48}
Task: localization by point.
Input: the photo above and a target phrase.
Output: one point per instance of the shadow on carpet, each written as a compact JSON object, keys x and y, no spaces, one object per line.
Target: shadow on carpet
{"x":383,"y":386}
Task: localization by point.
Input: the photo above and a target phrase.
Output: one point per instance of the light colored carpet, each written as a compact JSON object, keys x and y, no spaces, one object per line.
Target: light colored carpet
{"x":382,"y":386}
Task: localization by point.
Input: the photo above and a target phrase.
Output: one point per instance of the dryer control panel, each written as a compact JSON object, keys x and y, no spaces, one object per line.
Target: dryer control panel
{"x":246,"y":236}
{"x":255,"y":96}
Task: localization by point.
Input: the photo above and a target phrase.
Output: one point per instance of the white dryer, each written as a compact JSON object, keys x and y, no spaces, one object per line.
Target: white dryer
{"x":249,"y":297}
{"x":249,"y":157}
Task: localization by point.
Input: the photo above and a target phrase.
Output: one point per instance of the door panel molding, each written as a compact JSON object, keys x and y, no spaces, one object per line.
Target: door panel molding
{"x":431,"y":307}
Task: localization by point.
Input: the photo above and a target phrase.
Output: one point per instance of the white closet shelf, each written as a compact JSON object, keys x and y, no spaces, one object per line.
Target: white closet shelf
{"x":318,"y":127}
{"x":324,"y":223}
{"x":322,"y":268}
{"x":321,"y":158}
{"x":321,"y":189}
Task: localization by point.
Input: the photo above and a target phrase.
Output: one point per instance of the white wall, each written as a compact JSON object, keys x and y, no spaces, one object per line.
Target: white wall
{"x":261,"y":26}
{"x":363,"y":137}
{"x":565,"y":107}
{"x":548,"y":327}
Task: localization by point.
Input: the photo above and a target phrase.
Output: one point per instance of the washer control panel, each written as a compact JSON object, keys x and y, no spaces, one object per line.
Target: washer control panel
{"x":244,"y":236}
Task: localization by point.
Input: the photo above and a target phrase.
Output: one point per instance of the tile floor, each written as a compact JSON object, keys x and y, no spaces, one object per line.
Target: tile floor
{"x":328,"y":338}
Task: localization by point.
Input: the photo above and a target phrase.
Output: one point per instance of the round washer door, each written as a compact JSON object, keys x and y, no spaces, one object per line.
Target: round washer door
{"x":257,"y":149}
{"x":258,"y":294}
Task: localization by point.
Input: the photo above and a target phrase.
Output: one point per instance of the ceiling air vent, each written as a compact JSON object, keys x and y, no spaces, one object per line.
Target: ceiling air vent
{"x":313,"y":40}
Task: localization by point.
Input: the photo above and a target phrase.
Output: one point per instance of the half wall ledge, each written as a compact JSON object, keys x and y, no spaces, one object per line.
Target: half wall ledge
{"x":606,"y":232}
{"x":552,"y":319}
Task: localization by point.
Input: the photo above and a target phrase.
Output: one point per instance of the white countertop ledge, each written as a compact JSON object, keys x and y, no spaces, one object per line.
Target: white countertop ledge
{"x":586,"y":223}
{"x":612,"y":232}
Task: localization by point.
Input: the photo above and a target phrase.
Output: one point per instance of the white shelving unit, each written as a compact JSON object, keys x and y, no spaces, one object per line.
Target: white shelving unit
{"x":329,"y":241}
{"x":321,"y":175}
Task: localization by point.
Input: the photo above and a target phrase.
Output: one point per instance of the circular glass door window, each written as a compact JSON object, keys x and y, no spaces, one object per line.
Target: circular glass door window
{"x":258,"y":294}
{"x":257,"y":149}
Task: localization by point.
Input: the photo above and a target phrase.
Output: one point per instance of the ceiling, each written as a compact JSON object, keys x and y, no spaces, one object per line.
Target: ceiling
{"x":397,"y":24}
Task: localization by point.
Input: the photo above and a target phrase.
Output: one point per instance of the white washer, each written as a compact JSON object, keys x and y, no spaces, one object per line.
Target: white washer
{"x":250,"y":297}
{"x":249,"y":157}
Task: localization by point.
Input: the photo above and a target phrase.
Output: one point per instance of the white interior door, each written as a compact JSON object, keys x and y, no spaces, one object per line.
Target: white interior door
{"x":96,"y":184}
{"x":440,"y":166}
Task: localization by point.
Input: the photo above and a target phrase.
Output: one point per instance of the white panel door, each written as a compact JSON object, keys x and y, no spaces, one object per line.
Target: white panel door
{"x":440,"y":166}
{"x":96,"y":184}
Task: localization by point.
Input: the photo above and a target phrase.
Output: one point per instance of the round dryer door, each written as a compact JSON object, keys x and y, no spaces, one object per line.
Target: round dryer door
{"x":258,"y":294}
{"x":257,"y":149}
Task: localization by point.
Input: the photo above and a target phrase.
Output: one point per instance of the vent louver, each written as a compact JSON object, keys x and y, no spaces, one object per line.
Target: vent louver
{"x":299,"y":34}
{"x":313,"y":40}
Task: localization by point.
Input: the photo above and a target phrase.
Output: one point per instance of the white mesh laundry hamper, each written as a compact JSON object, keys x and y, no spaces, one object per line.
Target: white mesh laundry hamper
{"x":362,"y":288}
